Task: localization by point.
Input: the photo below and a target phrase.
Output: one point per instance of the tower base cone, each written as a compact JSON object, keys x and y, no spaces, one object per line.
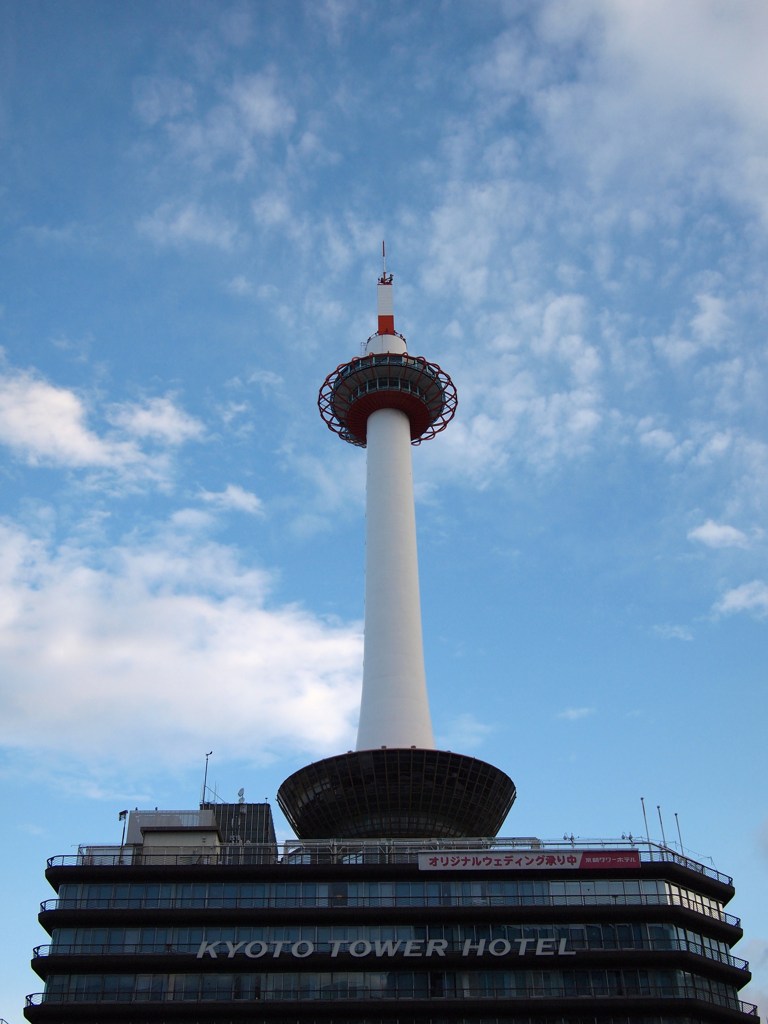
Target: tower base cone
{"x":397,"y":794}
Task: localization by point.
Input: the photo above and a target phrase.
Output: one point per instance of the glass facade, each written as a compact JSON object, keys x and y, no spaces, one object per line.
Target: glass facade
{"x":446,"y":938}
{"x":412,"y":893}
{"x":400,"y":985}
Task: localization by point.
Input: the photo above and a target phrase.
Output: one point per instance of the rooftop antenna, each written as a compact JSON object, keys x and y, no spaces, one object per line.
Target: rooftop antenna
{"x":679,"y":836}
{"x":645,"y":820}
{"x":241,"y":795}
{"x":645,"y":817}
{"x":205,"y":778}
{"x":385,"y":277}
{"x":122,"y":816}
{"x":658,"y":808}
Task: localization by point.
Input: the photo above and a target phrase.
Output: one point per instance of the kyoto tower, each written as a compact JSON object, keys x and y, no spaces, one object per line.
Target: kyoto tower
{"x":396,"y":784}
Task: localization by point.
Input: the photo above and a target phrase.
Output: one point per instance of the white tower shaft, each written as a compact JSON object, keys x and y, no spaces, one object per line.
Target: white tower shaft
{"x":394,"y":710}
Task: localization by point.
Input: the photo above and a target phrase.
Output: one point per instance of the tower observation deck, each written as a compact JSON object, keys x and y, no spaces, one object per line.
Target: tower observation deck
{"x":396,"y":784}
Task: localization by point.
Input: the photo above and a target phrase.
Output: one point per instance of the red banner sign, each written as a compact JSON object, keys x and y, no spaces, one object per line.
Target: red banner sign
{"x":530,"y":860}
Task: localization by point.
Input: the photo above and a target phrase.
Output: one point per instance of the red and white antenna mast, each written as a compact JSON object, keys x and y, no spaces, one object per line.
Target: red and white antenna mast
{"x":386,"y":309}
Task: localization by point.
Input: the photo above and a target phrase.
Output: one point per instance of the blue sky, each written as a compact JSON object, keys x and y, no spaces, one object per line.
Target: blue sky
{"x":575,"y":202}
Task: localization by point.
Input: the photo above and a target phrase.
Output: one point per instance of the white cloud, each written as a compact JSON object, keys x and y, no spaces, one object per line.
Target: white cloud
{"x":233,"y":131}
{"x":688,"y":77}
{"x":235,"y":498}
{"x":705,"y":330}
{"x":575,"y":714}
{"x":466,"y":228}
{"x":78,"y":348}
{"x":191,"y":520}
{"x":47,"y":424}
{"x":333,"y":15}
{"x":706,"y":53}
{"x":718,"y":535}
{"x":232,"y":411}
{"x":239,"y":285}
{"x":735,"y":385}
{"x":271,"y":210}
{"x":556,"y":388}
{"x":159,"y":419}
{"x":661,"y":440}
{"x":675,"y":348}
{"x":465,"y":732}
{"x":510,"y":71}
{"x":669,"y":632}
{"x":156,"y":98}
{"x":713,"y":444}
{"x":267,"y":380}
{"x":749,"y":597}
{"x":535,"y":394}
{"x":162,"y":647}
{"x":515,"y":417}
{"x":262,"y":109}
{"x":174,"y":224}
{"x":711,"y":321}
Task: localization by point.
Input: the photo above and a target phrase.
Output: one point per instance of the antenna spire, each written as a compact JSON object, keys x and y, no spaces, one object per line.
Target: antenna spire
{"x":386,"y":311}
{"x":385,"y":277}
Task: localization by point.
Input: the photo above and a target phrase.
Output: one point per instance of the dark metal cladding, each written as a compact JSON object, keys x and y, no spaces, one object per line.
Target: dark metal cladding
{"x":397,"y":793}
{"x":422,"y":390}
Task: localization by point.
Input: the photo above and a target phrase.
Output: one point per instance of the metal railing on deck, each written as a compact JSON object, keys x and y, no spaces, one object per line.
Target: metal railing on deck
{"x":243,"y":902}
{"x":364,"y":851}
{"x":192,"y":948}
{"x":338,"y":993}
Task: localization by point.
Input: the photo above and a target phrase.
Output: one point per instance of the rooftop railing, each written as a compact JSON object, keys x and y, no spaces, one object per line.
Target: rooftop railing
{"x":364,"y":851}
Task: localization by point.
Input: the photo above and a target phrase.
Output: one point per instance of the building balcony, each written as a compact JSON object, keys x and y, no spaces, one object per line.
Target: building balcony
{"x":637,"y":951}
{"x":379,"y":851}
{"x":692,"y":1001}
